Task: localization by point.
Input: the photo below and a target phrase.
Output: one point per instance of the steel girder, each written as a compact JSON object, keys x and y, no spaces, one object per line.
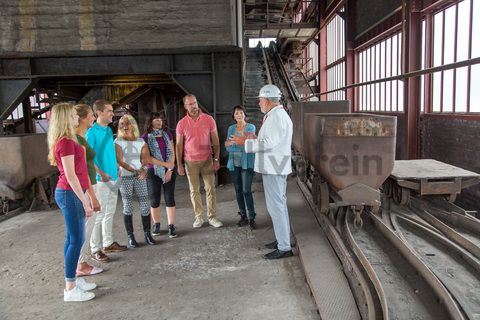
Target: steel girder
{"x":12,"y":92}
{"x":215,"y":77}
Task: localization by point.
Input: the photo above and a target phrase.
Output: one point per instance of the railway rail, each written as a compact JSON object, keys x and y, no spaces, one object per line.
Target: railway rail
{"x":412,"y":261}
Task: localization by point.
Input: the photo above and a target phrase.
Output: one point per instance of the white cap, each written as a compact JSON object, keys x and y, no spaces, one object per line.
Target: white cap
{"x":270,"y":91}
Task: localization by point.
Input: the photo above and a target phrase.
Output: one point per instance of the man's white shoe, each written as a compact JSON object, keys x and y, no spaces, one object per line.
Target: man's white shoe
{"x":84,"y":285}
{"x":77,"y":295}
{"x":198,"y":223}
{"x":215,"y":222}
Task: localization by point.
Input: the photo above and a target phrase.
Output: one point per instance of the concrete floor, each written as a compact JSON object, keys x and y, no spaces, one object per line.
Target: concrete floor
{"x":203,"y":274}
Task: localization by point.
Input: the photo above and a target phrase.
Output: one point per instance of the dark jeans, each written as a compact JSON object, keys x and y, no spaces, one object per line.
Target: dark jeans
{"x":155,"y":185}
{"x":74,"y":216}
{"x":242,"y":179}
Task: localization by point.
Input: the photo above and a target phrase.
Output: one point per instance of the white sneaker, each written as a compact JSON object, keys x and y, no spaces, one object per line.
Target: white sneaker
{"x":77,"y":295}
{"x":198,"y":223}
{"x":84,"y":285}
{"x":215,"y":222}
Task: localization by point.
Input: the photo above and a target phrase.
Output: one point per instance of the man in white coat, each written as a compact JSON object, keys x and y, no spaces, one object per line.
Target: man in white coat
{"x":273,"y":161}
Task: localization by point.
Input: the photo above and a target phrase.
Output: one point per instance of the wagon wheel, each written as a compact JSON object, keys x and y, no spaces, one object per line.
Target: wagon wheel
{"x":400,"y":195}
{"x":451,"y":197}
{"x":315,"y":189}
{"x":324,"y":198}
{"x":301,"y":169}
{"x":387,"y":188}
{"x":333,"y":214}
{"x":375,"y":209}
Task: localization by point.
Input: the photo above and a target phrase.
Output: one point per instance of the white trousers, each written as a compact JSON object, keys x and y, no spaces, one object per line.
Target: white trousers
{"x":107,"y":194}
{"x":275,"y":188}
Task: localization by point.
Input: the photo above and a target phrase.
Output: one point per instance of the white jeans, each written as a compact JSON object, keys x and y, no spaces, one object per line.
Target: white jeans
{"x":89,"y":223}
{"x":107,"y":194}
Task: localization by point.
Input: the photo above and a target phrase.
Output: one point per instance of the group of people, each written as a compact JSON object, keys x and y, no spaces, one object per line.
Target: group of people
{"x":94,"y":166}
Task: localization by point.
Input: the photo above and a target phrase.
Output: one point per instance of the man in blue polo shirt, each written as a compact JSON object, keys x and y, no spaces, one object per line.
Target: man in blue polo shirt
{"x":100,"y":138}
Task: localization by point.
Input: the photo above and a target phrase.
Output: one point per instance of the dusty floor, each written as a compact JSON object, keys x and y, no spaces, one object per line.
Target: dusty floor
{"x":203,"y":274}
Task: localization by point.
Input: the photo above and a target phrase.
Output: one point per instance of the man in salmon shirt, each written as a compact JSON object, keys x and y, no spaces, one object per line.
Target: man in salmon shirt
{"x":196,"y":134}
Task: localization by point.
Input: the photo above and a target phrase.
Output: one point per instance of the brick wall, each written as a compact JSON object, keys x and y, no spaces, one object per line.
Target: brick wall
{"x":39,"y":26}
{"x":456,"y":142}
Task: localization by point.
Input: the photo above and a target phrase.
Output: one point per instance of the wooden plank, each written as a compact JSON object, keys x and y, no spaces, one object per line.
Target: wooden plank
{"x":428,"y":169}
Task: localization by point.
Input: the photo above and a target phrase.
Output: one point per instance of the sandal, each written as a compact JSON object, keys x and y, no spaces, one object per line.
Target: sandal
{"x":95,"y":270}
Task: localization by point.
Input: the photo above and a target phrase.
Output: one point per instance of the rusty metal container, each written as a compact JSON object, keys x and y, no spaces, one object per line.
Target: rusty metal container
{"x":299,"y":109}
{"x":351,"y":149}
{"x":24,"y":158}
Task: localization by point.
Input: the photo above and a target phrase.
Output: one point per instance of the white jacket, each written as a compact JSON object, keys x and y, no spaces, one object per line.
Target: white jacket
{"x":273,"y":144}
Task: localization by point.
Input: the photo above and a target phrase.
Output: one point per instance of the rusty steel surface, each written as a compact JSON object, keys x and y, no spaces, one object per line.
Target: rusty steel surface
{"x":299,"y":109}
{"x":24,"y":158}
{"x":348,"y":149}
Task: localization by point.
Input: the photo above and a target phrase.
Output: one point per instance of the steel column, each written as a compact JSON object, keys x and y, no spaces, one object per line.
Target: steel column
{"x":413,"y":92}
{"x":322,"y":51}
{"x":27,"y":115}
{"x":350,"y":66}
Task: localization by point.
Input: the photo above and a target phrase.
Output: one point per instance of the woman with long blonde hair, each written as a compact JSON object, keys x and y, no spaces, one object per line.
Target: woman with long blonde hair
{"x":69,"y":157}
{"x":132,"y":154}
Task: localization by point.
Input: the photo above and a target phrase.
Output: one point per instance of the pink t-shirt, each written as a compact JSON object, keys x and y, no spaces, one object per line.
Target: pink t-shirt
{"x":196,"y":136}
{"x":66,"y":147}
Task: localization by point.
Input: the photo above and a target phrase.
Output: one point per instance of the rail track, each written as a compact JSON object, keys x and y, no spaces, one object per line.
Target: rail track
{"x":416,"y":261}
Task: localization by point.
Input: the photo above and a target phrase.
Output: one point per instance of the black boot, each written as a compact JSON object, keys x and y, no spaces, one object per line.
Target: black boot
{"x":132,"y":243}
{"x":147,"y":225}
{"x":243,"y":220}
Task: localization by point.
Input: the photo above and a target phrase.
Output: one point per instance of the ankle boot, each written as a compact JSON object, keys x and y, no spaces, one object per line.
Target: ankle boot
{"x":243,"y":220}
{"x":147,"y":225}
{"x":132,"y":243}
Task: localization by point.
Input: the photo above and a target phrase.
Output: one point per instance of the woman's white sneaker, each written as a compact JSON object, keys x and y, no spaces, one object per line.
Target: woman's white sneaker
{"x":84,"y":285}
{"x":77,"y":295}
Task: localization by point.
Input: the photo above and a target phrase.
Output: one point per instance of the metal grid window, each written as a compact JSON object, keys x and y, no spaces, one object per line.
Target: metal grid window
{"x":379,"y":61}
{"x":36,"y":104}
{"x":452,"y":41}
{"x":336,"y":57}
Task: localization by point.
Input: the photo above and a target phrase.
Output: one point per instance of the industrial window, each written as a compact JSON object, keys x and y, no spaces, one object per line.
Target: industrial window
{"x":336,"y":57}
{"x":379,"y":61}
{"x":452,"y":28}
{"x":312,"y":67}
{"x":36,"y":103}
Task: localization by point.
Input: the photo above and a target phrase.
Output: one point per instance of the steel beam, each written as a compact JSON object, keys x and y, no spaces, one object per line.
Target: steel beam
{"x":12,"y":92}
{"x":147,"y":64}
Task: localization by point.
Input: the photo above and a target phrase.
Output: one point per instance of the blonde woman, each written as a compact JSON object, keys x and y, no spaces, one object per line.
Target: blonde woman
{"x":69,"y":157}
{"x":132,"y":153}
{"x":85,"y":121}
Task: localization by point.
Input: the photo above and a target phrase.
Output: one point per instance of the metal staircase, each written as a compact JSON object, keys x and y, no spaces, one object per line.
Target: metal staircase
{"x":256,"y":76}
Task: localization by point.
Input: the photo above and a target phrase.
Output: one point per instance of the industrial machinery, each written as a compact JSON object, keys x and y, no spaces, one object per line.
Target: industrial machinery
{"x":25,"y":174}
{"x":349,"y":156}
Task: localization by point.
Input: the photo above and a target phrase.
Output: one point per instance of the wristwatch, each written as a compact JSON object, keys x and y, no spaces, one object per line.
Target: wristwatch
{"x":215,"y":159}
